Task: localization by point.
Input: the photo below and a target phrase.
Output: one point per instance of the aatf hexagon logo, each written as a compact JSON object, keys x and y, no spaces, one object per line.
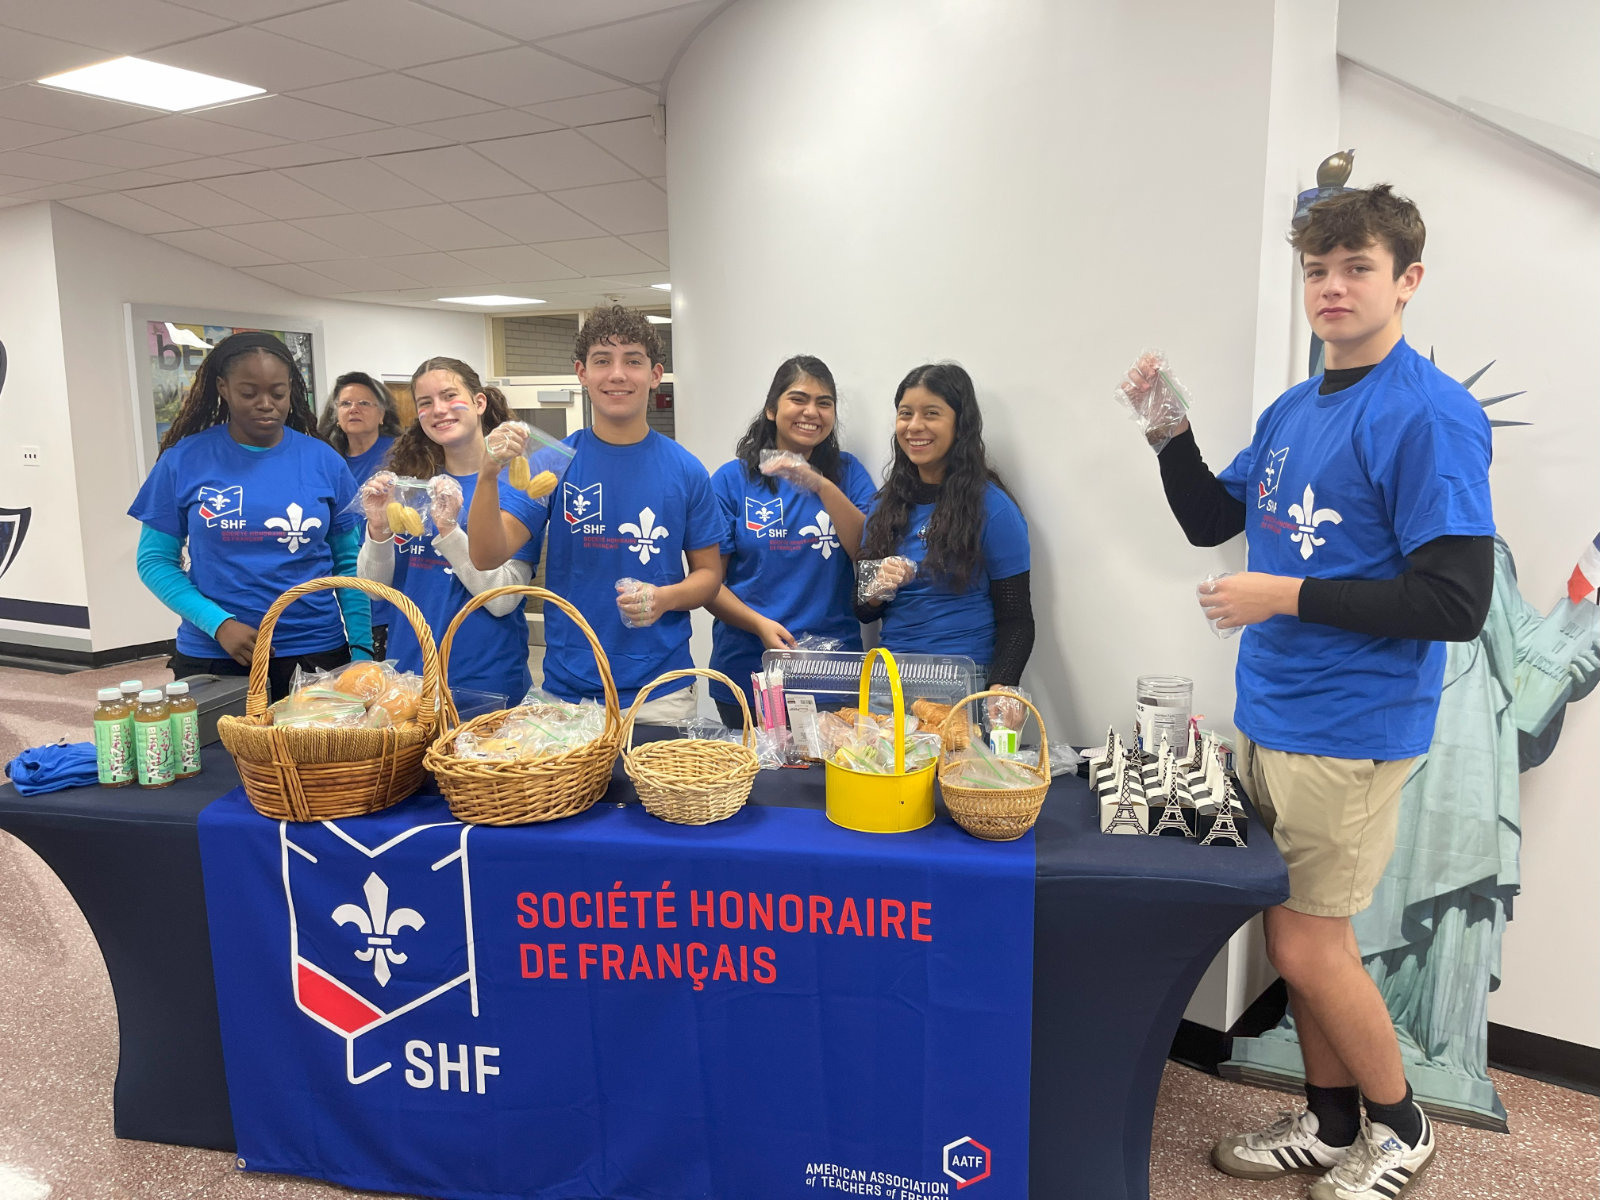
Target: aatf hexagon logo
{"x":967,"y":1162}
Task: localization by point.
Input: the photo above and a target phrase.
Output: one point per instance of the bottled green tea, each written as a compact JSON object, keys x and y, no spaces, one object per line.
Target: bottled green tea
{"x":152,"y":739}
{"x":113,"y":739}
{"x":185,"y":720}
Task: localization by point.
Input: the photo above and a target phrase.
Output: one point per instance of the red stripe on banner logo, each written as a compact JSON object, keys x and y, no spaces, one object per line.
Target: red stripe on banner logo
{"x":341,"y":1008}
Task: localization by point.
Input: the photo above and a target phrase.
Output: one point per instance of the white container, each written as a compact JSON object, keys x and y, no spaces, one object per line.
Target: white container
{"x":1163,"y":704}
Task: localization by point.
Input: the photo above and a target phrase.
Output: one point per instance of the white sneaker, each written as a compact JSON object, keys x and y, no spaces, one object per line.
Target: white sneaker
{"x":1289,"y":1144}
{"x":1379,"y":1166}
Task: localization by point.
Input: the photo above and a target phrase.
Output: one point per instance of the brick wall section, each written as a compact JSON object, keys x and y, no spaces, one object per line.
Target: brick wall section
{"x":540,"y":345}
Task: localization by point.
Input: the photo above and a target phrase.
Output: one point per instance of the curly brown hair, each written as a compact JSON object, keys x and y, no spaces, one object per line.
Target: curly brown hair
{"x":621,"y":327}
{"x":415,"y":453}
{"x":1357,"y":219}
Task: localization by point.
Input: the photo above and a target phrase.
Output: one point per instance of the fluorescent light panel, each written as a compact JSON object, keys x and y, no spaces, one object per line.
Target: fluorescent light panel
{"x":488,"y":300}
{"x":655,"y":320}
{"x":662,"y":287}
{"x":151,"y":85}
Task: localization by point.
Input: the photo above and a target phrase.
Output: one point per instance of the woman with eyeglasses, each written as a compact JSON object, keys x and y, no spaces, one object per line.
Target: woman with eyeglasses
{"x":359,"y":422}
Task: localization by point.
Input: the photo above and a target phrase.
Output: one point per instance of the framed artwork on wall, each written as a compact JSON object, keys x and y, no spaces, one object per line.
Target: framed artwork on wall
{"x":166,"y":346}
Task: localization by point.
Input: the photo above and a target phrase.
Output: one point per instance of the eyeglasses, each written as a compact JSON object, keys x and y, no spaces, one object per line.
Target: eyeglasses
{"x":348,"y":405}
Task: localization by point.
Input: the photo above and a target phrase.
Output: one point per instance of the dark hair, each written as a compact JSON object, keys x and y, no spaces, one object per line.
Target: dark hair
{"x":1357,"y":219}
{"x":204,"y":406}
{"x":763,"y":431}
{"x":955,"y":529}
{"x":328,"y":423}
{"x":619,"y":326}
{"x":416,"y":454}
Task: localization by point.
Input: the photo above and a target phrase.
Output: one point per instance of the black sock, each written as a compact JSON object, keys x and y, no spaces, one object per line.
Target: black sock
{"x":1405,"y":1118}
{"x":1338,"y":1112}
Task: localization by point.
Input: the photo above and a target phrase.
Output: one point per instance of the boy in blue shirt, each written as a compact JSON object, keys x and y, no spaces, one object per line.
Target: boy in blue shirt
{"x":1364,"y":500}
{"x":632,"y":505}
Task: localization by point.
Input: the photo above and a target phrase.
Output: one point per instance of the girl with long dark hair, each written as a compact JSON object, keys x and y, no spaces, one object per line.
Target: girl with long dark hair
{"x":359,"y":422}
{"x":945,"y":509}
{"x":795,"y":532}
{"x":455,"y":411}
{"x":262,"y":504}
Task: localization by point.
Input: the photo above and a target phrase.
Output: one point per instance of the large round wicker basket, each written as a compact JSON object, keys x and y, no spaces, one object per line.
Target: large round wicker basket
{"x":305,"y":773}
{"x":691,"y":781}
{"x":997,"y":814}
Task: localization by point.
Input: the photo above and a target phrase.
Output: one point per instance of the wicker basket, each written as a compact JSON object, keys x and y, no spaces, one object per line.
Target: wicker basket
{"x":691,"y":781}
{"x":997,"y":814}
{"x":303,"y":773}
{"x":522,"y":791}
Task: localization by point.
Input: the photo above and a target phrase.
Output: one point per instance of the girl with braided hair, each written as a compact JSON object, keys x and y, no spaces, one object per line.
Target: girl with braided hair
{"x":262,"y":504}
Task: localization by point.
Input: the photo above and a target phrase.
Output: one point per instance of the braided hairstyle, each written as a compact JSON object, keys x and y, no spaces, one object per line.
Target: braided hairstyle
{"x":416,"y":454}
{"x":204,"y":406}
{"x":328,"y":424}
{"x":763,"y":431}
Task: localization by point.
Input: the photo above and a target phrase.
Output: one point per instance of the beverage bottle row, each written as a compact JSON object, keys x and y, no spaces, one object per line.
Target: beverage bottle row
{"x":147,"y":736}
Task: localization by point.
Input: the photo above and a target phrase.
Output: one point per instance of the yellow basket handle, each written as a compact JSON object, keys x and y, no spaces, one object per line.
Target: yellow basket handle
{"x":687,"y":673}
{"x":898,"y":729}
{"x":958,"y":709}
{"x":255,"y":703}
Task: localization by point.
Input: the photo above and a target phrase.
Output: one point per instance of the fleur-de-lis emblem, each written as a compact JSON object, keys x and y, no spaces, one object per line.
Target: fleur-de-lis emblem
{"x":580,"y":504}
{"x":1307,"y":517}
{"x":644,"y":534}
{"x":827,"y":541}
{"x":296,"y":530}
{"x":380,"y":925}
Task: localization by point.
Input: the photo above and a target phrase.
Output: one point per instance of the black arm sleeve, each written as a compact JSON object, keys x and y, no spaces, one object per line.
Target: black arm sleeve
{"x":1013,"y":629}
{"x":1205,"y":509}
{"x":1442,"y":597}
{"x":868,"y":613}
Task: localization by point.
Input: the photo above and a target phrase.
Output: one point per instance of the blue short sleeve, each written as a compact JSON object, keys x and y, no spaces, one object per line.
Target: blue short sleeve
{"x":858,"y":485}
{"x":1432,"y":474}
{"x":725,"y":488}
{"x":1236,"y":474}
{"x":707,"y":524}
{"x":345,"y":516}
{"x":156,"y":505}
{"x":533,"y":514}
{"x":1005,"y":536}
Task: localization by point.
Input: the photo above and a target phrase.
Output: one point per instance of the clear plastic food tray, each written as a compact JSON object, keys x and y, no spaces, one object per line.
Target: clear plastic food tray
{"x":833,"y":677}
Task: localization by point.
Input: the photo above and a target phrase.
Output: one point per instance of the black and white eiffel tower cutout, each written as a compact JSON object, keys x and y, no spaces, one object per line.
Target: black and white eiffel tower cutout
{"x":1172,"y":817}
{"x":1223,"y":830}
{"x":1126,"y":816}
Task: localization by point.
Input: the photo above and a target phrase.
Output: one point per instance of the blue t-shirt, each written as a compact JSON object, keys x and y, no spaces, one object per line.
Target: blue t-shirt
{"x":930,"y":616}
{"x":257,"y":523}
{"x":1344,"y":486}
{"x":621,"y":512}
{"x":786,"y":564}
{"x":489,"y":653}
{"x":364,"y":466}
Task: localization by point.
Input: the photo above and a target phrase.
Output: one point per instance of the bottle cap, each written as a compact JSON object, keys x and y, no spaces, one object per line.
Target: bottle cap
{"x":131,"y":685}
{"x":150,"y":696}
{"x":178,"y":689}
{"x":106,"y":695}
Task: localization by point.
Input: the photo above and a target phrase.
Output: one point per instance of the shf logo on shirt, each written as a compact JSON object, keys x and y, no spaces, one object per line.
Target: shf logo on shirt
{"x":763,"y":513}
{"x":581,"y":504}
{"x":1271,"y":474}
{"x":219,"y":503}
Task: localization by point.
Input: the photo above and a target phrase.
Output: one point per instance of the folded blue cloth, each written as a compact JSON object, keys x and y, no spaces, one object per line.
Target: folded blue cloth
{"x":52,"y":768}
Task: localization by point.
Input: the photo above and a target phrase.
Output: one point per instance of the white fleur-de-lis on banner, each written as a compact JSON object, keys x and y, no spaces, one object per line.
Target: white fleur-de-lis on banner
{"x":1307,"y":517}
{"x":296,"y":529}
{"x":380,"y":925}
{"x":644,"y":534}
{"x":827,"y":540}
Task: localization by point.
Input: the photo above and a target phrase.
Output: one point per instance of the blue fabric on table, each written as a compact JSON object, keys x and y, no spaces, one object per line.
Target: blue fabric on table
{"x":52,"y":768}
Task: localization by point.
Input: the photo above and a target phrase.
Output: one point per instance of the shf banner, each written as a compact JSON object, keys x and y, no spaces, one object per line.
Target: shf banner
{"x":613,"y":1007}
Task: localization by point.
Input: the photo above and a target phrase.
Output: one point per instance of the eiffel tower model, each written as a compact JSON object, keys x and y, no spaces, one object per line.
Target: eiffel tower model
{"x":1102,"y":763}
{"x":1126,"y":818}
{"x":1174,"y":821}
{"x":1224,"y":832}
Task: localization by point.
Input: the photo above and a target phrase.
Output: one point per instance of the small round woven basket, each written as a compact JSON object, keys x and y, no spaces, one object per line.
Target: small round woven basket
{"x":691,"y":781}
{"x":522,"y":791}
{"x":303,"y":773}
{"x":997,"y":814}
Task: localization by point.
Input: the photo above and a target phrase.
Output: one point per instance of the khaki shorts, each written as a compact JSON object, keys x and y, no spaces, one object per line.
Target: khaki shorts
{"x":1333,"y":819}
{"x":671,"y":709}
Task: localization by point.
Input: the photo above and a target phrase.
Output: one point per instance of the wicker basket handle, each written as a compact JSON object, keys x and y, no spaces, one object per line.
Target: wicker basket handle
{"x":1044,"y":738}
{"x":255,"y":703}
{"x":688,"y":673}
{"x":452,"y":718}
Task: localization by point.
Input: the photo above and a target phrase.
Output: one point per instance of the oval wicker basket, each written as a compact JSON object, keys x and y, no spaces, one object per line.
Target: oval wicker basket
{"x":522,"y":791}
{"x":691,"y":781}
{"x":997,"y":814}
{"x":303,"y":773}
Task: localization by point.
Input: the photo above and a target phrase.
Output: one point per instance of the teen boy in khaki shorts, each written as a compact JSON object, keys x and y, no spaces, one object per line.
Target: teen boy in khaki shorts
{"x":1364,"y":500}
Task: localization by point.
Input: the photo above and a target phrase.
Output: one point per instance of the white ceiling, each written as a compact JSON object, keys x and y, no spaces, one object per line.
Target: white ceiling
{"x":409,"y":148}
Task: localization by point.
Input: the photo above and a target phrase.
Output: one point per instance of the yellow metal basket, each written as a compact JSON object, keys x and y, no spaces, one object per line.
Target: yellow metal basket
{"x":871,"y":803}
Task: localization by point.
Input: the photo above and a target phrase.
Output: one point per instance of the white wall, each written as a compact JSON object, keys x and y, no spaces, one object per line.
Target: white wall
{"x":100,"y":267}
{"x":1513,"y":275}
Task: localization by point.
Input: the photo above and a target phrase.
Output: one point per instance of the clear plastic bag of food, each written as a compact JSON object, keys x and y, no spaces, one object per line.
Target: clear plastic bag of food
{"x":1064,"y":759}
{"x":980,"y":767}
{"x":537,"y":471}
{"x":879,"y":579}
{"x":1207,"y":586}
{"x":544,"y":725}
{"x":769,"y":753}
{"x":1154,"y":398}
{"x":870,"y":748}
{"x":818,"y":641}
{"x":401,"y":503}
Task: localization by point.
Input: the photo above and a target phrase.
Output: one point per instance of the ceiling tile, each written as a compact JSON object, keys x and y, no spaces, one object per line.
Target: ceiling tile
{"x":57,"y":191}
{"x":599,"y":256}
{"x":293,"y":154}
{"x":296,"y":279}
{"x":277,"y":195}
{"x":637,"y":206}
{"x":208,"y":243}
{"x":285,"y":116}
{"x":129,"y":213}
{"x":361,"y":184}
{"x":507,"y":263}
{"x":438,"y":269}
{"x":444,"y":227}
{"x":249,"y":10}
{"x":394,"y":140}
{"x":15,"y":134}
{"x":112,"y":151}
{"x":362,"y":274}
{"x":205,"y":168}
{"x":15,"y":183}
{"x":395,"y":33}
{"x":653,"y":244}
{"x":360,"y":236}
{"x":640,"y":50}
{"x":528,"y":21}
{"x":69,"y":110}
{"x":24,"y":164}
{"x":196,"y":135}
{"x":29,"y":56}
{"x":617,"y":105}
{"x":198,"y":204}
{"x":531,"y":218}
{"x":479,"y":127}
{"x":283,"y":241}
{"x":561,"y":159}
{"x":120,"y":181}
{"x":634,"y":142}
{"x":571,"y":281}
{"x":262,"y":59}
{"x":520,"y":76}
{"x":456,"y":173}
{"x":123,"y":27}
{"x":396,"y":99}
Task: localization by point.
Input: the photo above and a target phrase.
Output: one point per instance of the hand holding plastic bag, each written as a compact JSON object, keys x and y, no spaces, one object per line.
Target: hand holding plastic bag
{"x":636,"y":601}
{"x":787,"y":464}
{"x":535,"y":461}
{"x":506,"y":441}
{"x":1154,"y":398}
{"x":879,"y":580}
{"x":1208,"y":585}
{"x":374,"y":498}
{"x":1003,"y":711}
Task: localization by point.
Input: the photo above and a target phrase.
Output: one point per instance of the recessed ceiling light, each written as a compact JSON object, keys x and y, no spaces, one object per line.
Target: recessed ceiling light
{"x":662,"y":287}
{"x":489,"y":300}
{"x":152,"y":85}
{"x":655,"y":320}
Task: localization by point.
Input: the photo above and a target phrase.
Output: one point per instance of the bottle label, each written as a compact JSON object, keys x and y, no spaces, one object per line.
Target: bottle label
{"x":186,"y":742}
{"x":153,"y":741}
{"x":1158,"y":720}
{"x":113,"y":751}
